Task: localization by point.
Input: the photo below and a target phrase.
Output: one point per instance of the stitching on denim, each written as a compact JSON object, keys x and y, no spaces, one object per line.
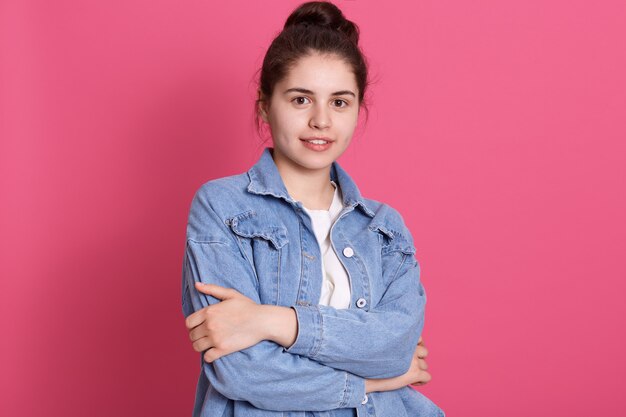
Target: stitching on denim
{"x":318,"y":346}
{"x":382,"y":229}
{"x":366,"y":283}
{"x":371,"y":402}
{"x":263,"y":191}
{"x":344,"y":401}
{"x":301,"y":265}
{"x":239,"y":249}
{"x":272,"y":238}
{"x":209,"y":240}
{"x":278,"y":274}
{"x":399,"y":245}
{"x":244,"y":215}
{"x":395,"y":275}
{"x":392,"y":240}
{"x":274,"y":234}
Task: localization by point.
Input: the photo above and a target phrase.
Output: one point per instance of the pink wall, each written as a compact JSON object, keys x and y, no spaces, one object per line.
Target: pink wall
{"x":505,"y":120}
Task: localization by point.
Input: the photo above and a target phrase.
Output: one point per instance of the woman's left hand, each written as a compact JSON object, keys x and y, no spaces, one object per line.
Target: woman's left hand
{"x":226,"y":327}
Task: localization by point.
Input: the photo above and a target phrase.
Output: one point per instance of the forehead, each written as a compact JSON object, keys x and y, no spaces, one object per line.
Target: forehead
{"x":320,"y":73}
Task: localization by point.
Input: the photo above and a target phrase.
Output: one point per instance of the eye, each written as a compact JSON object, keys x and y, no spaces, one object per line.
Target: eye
{"x":340,"y":102}
{"x":300,"y":100}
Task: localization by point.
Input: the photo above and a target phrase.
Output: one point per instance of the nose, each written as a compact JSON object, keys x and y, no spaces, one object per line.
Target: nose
{"x":320,"y":117}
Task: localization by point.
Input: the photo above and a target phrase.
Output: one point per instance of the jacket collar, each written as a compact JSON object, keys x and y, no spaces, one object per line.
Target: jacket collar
{"x":266,"y":180}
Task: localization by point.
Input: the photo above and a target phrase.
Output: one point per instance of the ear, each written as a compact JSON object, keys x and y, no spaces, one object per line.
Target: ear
{"x":262,"y":107}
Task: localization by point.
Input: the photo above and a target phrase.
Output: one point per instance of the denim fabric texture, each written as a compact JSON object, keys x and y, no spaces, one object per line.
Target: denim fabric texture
{"x":246,"y":232}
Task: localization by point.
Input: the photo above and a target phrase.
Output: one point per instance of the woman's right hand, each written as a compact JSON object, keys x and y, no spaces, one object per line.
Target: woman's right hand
{"x":416,"y":375}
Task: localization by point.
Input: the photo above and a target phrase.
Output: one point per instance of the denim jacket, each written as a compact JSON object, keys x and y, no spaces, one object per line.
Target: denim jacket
{"x":246,"y":232}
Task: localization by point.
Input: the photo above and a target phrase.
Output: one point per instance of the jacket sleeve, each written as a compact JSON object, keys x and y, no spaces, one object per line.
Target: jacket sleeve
{"x":264,"y":374}
{"x":378,"y":343}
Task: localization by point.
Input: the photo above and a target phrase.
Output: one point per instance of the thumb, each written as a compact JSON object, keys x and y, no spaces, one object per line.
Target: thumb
{"x":221,"y":293}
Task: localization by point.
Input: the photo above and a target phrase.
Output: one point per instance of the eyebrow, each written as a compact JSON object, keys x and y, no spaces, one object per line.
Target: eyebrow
{"x":305,"y":91}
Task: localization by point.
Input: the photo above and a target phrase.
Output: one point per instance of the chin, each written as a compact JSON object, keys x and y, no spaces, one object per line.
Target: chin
{"x":308,"y":159}
{"x":319,"y":162}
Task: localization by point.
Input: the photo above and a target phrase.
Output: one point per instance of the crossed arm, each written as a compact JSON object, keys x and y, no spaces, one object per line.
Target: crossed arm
{"x":247,"y":358}
{"x":256,"y":373}
{"x":237,"y":322}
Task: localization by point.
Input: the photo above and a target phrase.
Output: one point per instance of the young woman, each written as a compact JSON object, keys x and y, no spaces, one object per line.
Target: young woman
{"x":303,"y":295}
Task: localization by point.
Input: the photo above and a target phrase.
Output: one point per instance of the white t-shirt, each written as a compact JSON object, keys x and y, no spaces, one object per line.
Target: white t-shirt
{"x":336,"y":284}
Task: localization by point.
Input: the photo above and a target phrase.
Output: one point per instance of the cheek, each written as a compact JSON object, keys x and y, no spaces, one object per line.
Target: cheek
{"x":349,"y":124}
{"x":286,"y":123}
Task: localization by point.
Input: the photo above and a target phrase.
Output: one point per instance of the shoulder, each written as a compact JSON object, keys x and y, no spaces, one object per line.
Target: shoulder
{"x":388,"y":221}
{"x":217,"y":190}
{"x":212,"y":203}
{"x":221,"y":205}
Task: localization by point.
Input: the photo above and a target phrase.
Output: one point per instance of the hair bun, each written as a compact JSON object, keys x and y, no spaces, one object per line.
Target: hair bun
{"x":324,"y":15}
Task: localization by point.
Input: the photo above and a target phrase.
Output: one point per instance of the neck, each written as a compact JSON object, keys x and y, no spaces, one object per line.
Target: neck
{"x":312,"y":187}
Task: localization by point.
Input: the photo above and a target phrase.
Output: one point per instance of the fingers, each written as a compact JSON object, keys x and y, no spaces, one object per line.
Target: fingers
{"x":221,"y":293}
{"x":424,"y":378}
{"x":421,"y":351}
{"x":195,"y":319}
{"x":198,"y":333}
{"x":202,"y":344}
{"x":213,"y":354}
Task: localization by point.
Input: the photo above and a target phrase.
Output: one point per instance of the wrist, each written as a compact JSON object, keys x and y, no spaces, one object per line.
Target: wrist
{"x":278,"y":324}
{"x":384,"y":384}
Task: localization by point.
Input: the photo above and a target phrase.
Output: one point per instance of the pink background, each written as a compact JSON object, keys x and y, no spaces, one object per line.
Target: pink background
{"x":497,"y":129}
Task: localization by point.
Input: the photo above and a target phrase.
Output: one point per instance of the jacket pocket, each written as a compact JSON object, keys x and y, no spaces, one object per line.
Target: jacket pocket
{"x":250,"y":225}
{"x":393,"y":241}
{"x":262,"y":243}
{"x":395,"y":250}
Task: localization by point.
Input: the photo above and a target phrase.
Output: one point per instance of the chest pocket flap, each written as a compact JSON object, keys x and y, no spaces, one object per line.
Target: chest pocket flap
{"x":393,"y":240}
{"x":250,"y":225}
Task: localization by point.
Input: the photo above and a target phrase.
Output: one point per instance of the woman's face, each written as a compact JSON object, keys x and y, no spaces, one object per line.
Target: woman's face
{"x":317,"y":99}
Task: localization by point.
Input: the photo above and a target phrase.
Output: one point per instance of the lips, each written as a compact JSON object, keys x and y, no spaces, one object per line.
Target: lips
{"x":317,"y":140}
{"x":317,"y":144}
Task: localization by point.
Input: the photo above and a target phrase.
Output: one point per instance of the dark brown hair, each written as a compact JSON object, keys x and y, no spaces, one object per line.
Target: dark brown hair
{"x":314,"y":27}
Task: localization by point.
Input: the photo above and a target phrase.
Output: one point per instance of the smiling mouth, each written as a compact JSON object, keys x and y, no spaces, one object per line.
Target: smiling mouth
{"x":317,"y":141}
